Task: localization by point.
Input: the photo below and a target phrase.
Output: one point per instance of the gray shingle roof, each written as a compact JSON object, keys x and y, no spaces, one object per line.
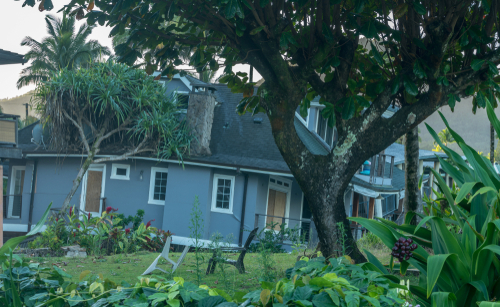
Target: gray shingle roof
{"x":7,"y":57}
{"x":198,"y":83}
{"x":398,"y":151}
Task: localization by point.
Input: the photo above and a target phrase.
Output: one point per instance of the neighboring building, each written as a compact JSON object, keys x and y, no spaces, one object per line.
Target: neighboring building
{"x":239,"y":176}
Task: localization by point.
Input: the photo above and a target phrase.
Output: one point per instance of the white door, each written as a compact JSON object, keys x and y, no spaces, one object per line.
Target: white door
{"x":93,"y":190}
{"x":16,"y":192}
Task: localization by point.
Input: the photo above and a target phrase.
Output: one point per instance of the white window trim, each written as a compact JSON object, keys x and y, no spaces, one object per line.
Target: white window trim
{"x":214,"y":194}
{"x":10,"y":206}
{"x":115,"y":166}
{"x":152,"y":179}
{"x":83,"y":195}
{"x":280,"y":188}
{"x":182,"y":92}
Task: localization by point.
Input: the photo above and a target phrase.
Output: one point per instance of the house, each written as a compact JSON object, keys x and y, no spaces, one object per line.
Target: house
{"x":240,"y":180}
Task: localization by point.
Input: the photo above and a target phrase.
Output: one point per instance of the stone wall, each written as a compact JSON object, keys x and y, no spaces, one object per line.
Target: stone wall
{"x":200,"y":117}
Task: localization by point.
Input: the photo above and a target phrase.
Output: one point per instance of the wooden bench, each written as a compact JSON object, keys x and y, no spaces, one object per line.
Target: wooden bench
{"x":239,"y":264}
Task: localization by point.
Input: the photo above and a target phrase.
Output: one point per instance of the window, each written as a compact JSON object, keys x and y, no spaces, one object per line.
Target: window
{"x":324,"y":131}
{"x":182,"y":101}
{"x":158,"y":185}
{"x":222,"y":194}
{"x":120,"y":171}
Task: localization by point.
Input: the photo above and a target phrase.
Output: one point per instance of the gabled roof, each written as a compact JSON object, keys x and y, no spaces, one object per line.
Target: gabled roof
{"x":7,"y":57}
{"x":398,"y":151}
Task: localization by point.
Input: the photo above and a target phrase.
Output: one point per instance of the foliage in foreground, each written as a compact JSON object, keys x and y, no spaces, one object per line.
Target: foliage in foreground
{"x":462,"y":230}
{"x":309,"y":282}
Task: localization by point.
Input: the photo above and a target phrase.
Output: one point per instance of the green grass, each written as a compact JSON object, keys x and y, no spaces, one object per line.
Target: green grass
{"x":127,"y":268}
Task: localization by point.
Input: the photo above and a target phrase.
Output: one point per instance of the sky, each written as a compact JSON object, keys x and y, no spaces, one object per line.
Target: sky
{"x":17,"y":22}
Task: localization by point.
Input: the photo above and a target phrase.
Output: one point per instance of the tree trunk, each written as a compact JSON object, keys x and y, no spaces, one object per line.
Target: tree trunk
{"x":492,"y":143}
{"x":78,"y":179}
{"x":412,"y":194}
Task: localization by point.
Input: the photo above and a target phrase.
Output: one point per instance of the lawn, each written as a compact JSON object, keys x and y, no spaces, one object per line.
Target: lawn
{"x":127,"y":268}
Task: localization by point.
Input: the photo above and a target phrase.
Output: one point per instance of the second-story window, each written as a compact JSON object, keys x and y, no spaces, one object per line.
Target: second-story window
{"x":326,"y":132}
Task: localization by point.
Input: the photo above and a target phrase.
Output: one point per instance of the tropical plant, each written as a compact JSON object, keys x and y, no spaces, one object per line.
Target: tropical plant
{"x":63,"y":48}
{"x":462,"y":228}
{"x":445,"y":137}
{"x":106,"y":104}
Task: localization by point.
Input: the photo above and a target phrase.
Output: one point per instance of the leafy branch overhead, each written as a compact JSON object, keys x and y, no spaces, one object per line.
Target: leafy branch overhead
{"x":407,"y":48}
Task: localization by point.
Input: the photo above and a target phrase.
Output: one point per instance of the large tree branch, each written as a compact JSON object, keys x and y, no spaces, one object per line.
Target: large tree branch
{"x":80,"y":130}
{"x":135,"y":151}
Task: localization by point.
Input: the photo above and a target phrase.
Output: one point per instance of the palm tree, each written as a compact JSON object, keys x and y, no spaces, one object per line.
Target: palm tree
{"x":63,"y":48}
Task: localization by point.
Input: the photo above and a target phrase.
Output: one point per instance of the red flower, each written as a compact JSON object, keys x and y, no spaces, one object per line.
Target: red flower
{"x":78,"y":226}
{"x":89,"y":216}
{"x":149,"y":224}
{"x":74,"y":234}
{"x":127,"y":230}
{"x":109,"y":209}
{"x":57,"y":219}
{"x":70,"y":211}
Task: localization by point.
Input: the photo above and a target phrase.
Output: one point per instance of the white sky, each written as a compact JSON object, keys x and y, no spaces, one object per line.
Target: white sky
{"x":17,"y":22}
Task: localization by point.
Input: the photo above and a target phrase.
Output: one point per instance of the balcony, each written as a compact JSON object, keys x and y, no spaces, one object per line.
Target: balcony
{"x":378,"y":170}
{"x":301,"y":228}
{"x":12,"y":206}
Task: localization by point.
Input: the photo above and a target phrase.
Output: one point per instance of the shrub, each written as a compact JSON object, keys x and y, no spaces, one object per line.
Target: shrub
{"x":370,"y":241}
{"x":464,"y":269}
{"x":100,"y":235}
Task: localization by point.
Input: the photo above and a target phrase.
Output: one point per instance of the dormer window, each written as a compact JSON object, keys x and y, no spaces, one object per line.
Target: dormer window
{"x":182,"y":101}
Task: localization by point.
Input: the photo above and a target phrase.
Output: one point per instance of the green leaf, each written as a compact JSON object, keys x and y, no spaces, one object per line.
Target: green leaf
{"x":302,"y":293}
{"x":376,"y":55}
{"x":477,"y":64}
{"x":348,"y":109}
{"x":322,"y":300}
{"x":483,"y":191}
{"x":395,"y":84}
{"x":359,"y":5}
{"x":435,"y":265}
{"x":464,"y":190}
{"x":369,"y":30}
{"x":451,"y":101}
{"x":400,"y":10}
{"x":418,"y":70}
{"x":481,"y":99}
{"x":327,"y":33}
{"x":263,"y":3}
{"x":352,"y":299}
{"x":362,"y":101}
{"x":376,"y":262}
{"x":212,"y":301}
{"x":378,"y":229}
{"x":479,"y":285}
{"x":231,"y":7}
{"x":446,"y":69}
{"x":257,"y":30}
{"x":493,"y":68}
{"x":419,"y":8}
{"x":334,"y":296}
{"x":443,"y":299}
{"x":335,"y":61}
{"x":410,"y":86}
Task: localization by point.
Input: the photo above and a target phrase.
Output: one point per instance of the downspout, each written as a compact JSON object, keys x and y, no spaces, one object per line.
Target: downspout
{"x":243,"y":207}
{"x":32,"y":199}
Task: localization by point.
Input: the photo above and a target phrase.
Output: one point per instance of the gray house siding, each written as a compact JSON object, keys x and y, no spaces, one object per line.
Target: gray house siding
{"x":55,"y":179}
{"x":176,"y":85}
{"x":182,"y":187}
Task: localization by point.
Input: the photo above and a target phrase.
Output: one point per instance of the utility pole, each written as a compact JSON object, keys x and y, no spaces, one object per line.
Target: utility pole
{"x":26,"y":118}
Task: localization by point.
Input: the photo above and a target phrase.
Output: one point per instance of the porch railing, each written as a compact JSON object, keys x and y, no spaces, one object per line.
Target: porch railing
{"x":306,"y":228}
{"x":14,"y":202}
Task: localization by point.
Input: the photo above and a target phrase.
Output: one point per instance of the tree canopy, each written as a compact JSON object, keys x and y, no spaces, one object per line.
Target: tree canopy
{"x":112,"y":107}
{"x":63,"y":48}
{"x":359,"y":56}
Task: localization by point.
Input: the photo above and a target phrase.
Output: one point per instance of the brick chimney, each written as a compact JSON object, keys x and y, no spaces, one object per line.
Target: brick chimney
{"x":200,"y":117}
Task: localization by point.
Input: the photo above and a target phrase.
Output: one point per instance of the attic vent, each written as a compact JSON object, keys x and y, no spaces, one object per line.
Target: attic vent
{"x":257,"y":120}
